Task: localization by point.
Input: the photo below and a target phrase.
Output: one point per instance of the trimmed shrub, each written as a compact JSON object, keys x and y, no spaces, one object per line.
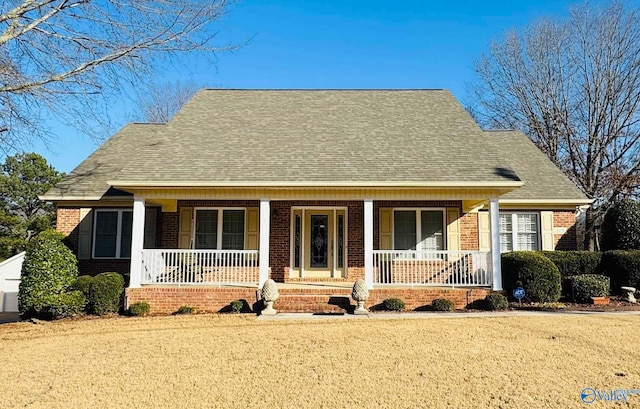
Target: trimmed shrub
{"x":49,"y":268}
{"x":442,"y":304}
{"x":589,"y":285}
{"x":573,"y":263}
{"x":495,"y":302}
{"x":82,"y":284}
{"x":540,"y":278}
{"x":184,"y":309}
{"x":622,"y":267}
{"x":66,"y":305}
{"x":105,"y":293}
{"x":236,"y":306}
{"x":621,"y":226}
{"x":393,"y":304}
{"x":139,"y":309}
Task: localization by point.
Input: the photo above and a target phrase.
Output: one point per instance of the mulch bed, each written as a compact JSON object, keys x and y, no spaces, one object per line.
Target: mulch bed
{"x":615,"y":304}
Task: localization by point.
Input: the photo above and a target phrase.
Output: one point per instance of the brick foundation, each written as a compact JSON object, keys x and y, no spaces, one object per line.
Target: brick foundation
{"x":165,"y":300}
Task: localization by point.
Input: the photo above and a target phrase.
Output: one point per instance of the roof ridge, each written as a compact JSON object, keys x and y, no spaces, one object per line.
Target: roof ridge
{"x":325,"y":89}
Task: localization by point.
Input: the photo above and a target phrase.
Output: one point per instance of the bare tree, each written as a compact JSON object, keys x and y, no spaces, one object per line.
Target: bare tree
{"x":64,"y":56}
{"x":573,"y":87}
{"x":162,"y":101}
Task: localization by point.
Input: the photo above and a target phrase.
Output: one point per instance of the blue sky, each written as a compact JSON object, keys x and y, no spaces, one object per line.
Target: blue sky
{"x":342,"y":44}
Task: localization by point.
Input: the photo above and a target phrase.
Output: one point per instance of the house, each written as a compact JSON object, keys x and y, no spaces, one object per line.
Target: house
{"x":398,"y":187}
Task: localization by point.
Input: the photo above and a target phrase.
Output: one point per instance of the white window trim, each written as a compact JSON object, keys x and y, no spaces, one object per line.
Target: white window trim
{"x":219,"y":233}
{"x":419,"y":211}
{"x":118,"y":233}
{"x":514,"y":229}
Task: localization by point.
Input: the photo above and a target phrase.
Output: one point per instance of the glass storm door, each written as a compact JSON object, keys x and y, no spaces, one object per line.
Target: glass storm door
{"x":319,"y":248}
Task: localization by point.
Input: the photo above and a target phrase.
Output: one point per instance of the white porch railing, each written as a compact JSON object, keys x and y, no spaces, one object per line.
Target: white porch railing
{"x":436,"y":268}
{"x":209,"y":267}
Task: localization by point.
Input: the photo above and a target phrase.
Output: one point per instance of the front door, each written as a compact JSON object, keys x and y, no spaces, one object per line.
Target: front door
{"x":321,"y":252}
{"x":319,"y":243}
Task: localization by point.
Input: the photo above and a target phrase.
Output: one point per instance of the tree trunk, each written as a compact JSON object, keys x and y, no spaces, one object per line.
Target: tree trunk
{"x":589,"y":230}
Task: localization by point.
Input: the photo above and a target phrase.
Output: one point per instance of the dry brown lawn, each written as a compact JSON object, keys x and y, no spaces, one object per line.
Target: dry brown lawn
{"x":240,"y":362}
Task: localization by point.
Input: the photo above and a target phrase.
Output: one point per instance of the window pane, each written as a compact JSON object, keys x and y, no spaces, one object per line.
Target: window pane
{"x":106,"y":234}
{"x":431,"y":228}
{"x":527,"y":223}
{"x":404,"y":230}
{"x":233,"y":230}
{"x":506,"y":242}
{"x":340,"y":241}
{"x":125,"y":234}
{"x":505,"y":223}
{"x":206,"y":229}
{"x":506,"y":233}
{"x":296,"y":257}
{"x":527,"y":231}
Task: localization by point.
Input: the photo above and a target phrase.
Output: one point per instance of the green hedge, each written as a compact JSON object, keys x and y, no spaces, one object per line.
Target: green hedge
{"x":623,"y":267}
{"x":539,"y":277}
{"x":573,"y":263}
{"x":589,"y":285}
{"x":105,"y":292}
{"x":48,"y":270}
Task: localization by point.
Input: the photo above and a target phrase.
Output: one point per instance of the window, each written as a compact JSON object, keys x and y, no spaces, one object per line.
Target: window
{"x":221,"y":229}
{"x":518,"y":231}
{"x":112,"y":234}
{"x":427,"y":225}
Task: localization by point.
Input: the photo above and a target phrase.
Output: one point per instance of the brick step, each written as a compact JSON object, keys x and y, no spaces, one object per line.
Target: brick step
{"x":315,"y":303}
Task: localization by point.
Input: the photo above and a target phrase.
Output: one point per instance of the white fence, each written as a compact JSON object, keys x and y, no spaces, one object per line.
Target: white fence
{"x":436,"y":268}
{"x":200,"y":267}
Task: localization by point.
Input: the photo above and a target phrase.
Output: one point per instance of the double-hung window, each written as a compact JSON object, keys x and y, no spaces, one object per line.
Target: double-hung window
{"x":519,"y":231}
{"x":221,"y":229}
{"x":418,"y":229}
{"x":112,"y":233}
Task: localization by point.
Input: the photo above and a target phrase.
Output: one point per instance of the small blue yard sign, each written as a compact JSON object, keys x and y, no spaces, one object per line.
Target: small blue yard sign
{"x":518,"y":293}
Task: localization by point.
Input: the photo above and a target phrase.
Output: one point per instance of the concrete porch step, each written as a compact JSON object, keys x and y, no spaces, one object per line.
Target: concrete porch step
{"x":315,"y":303}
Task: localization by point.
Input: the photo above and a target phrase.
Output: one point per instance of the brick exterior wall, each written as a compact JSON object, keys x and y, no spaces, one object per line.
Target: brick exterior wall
{"x":469,"y":231}
{"x":67,"y":219}
{"x":565,"y":219}
{"x":165,"y":300}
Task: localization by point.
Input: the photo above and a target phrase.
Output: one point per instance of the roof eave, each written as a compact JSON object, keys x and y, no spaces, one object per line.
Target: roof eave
{"x":125,"y":185}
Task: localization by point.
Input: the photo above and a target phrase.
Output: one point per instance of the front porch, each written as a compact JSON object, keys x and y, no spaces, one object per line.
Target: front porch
{"x":242,"y":243}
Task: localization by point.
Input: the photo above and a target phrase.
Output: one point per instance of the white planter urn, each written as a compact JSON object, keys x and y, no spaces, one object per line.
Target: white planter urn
{"x":269,"y":295}
{"x":360,"y":293}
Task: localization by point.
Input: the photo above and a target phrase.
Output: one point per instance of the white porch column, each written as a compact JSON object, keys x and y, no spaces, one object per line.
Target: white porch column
{"x":495,"y":244}
{"x":368,"y":242}
{"x":265,"y":226}
{"x":137,"y":242}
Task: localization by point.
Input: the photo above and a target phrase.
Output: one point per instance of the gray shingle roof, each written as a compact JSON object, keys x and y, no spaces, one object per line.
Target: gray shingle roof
{"x":89,"y":179}
{"x":297,"y":136}
{"x":543,"y":180}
